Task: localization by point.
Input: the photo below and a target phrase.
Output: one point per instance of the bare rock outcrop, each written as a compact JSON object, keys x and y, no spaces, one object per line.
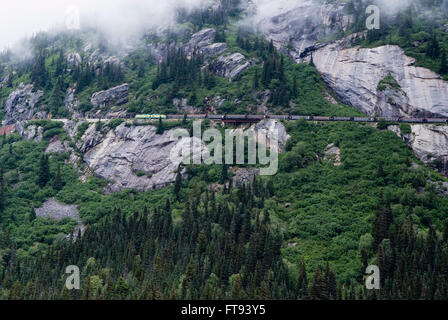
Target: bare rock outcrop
{"x":271,"y":126}
{"x":71,"y":103}
{"x":298,"y":26}
{"x":135,"y":157}
{"x":382,"y":81}
{"x":30,"y":132}
{"x":112,"y":97}
{"x":214,"y":49}
{"x":200,"y":40}
{"x":430,"y":144}
{"x":230,"y":66}
{"x":333,"y":154}
{"x":74,"y":60}
{"x":57,"y":146}
{"x":22,"y":104}
{"x":58,"y":211}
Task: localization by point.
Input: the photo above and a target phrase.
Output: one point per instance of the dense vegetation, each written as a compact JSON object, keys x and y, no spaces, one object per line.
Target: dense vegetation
{"x":340,"y":219}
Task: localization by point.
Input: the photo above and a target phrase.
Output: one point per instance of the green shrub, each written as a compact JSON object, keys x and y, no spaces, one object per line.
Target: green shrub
{"x":113,"y":124}
{"x":405,"y":128}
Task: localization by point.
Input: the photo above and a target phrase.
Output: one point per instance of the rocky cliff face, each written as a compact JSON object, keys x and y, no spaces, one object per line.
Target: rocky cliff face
{"x":203,"y":42}
{"x":382,"y":81}
{"x":134,"y":157}
{"x":22,"y":104}
{"x":430,"y":144}
{"x":225,"y":65}
{"x":112,"y":97}
{"x":230,"y":66}
{"x":304,"y":25}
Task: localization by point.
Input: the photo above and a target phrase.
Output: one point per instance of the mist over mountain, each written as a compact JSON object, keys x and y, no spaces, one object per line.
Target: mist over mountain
{"x":118,"y":19}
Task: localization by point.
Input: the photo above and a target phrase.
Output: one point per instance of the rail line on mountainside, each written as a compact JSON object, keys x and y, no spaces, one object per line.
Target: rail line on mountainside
{"x":247,"y":118}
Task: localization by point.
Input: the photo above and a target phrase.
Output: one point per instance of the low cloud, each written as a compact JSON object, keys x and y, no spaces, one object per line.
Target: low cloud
{"x":119,"y":19}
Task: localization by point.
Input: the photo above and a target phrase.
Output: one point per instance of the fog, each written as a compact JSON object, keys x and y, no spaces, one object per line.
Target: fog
{"x":120,"y":19}
{"x":263,"y":9}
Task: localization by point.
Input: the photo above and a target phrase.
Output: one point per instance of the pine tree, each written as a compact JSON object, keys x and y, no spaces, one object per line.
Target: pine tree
{"x":2,"y":191}
{"x":444,"y":63}
{"x":224,"y":174}
{"x":58,"y":181}
{"x":178,"y":184}
{"x":433,"y":50}
{"x":44,"y":171}
{"x":32,"y":215}
{"x":294,"y":88}
{"x":318,"y":288}
{"x":160,"y":127}
{"x":312,"y":61}
{"x":302,"y":283}
{"x":256,"y":81}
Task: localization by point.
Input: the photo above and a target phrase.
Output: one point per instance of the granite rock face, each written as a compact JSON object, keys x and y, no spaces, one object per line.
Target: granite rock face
{"x":22,"y":104}
{"x":299,"y":26}
{"x":230,"y":66}
{"x":74,"y":60}
{"x":430,"y":144}
{"x":58,"y":211}
{"x":200,"y":40}
{"x":53,"y":209}
{"x":71,"y":104}
{"x":214,"y":49}
{"x":134,"y":157}
{"x":112,"y":97}
{"x":356,"y":75}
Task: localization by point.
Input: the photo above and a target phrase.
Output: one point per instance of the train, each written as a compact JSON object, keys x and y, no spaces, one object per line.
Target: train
{"x":256,"y":118}
{"x":151,"y":116}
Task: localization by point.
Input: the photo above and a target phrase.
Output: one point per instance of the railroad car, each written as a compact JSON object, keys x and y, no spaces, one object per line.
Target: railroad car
{"x":216,"y":116}
{"x":150,"y":116}
{"x":322,"y":119}
{"x":196,"y":116}
{"x":437,"y":120}
{"x":342,"y":119}
{"x":255,"y":117}
{"x":279,"y":117}
{"x":175,"y":116}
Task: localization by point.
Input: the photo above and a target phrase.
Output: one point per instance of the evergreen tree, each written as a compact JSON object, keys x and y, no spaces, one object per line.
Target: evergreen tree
{"x":302,"y":283}
{"x":160,"y":127}
{"x":256,"y":81}
{"x":32,"y":215}
{"x":224,"y":174}
{"x":58,"y":181}
{"x":44,"y":171}
{"x":2,"y":191}
{"x":444,"y":63}
{"x":178,"y":183}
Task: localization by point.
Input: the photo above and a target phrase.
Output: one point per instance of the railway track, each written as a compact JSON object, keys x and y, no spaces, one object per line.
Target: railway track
{"x":228,"y":118}
{"x":256,"y":118}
